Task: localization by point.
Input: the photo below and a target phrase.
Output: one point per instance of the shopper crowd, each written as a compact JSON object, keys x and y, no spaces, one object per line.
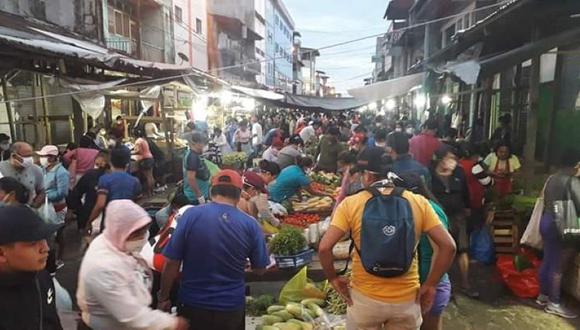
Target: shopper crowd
{"x":185,"y":268}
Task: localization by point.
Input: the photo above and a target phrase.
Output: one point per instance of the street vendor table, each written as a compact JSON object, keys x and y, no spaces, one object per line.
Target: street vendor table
{"x":315,"y":272}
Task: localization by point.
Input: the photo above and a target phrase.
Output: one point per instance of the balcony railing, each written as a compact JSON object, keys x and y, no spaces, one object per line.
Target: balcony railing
{"x":122,"y":45}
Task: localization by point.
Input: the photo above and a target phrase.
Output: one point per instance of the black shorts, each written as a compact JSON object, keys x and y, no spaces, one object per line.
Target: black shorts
{"x":458,"y":229}
{"x":146,"y":164}
{"x":202,"y":319}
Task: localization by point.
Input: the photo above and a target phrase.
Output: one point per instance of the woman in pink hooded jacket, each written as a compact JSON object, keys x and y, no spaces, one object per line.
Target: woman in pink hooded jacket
{"x":114,"y":281}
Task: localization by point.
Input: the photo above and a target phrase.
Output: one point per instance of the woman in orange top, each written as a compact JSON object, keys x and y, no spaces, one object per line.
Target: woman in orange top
{"x":145,"y":160}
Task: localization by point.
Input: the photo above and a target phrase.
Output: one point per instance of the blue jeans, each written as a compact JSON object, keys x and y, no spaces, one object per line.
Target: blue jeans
{"x":556,"y":258}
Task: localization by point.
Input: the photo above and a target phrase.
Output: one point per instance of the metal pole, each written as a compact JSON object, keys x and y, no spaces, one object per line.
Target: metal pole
{"x":45,"y":111}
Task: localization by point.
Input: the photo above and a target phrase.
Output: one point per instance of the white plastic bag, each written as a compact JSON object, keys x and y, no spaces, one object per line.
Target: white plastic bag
{"x":48,"y":214}
{"x":532,"y":236}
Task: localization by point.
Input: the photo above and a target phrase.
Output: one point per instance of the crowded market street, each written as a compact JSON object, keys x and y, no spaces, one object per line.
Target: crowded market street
{"x":289,"y":164}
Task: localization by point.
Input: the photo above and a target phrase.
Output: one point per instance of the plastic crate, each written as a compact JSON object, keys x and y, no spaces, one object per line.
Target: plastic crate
{"x":295,"y":261}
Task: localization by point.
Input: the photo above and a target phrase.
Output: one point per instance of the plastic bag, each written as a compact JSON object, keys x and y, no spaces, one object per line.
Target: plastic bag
{"x":524,"y":284}
{"x":298,"y":288}
{"x":482,"y":247}
{"x":63,"y":300}
{"x":48,"y":214}
{"x":532,"y":236}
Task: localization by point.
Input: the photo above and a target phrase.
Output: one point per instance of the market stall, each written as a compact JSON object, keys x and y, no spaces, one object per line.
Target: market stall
{"x":161,"y":110}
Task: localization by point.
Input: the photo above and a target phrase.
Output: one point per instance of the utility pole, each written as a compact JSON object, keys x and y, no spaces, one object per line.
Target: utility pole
{"x":532,"y":118}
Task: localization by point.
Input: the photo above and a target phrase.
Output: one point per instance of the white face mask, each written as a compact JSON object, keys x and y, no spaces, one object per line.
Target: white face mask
{"x":398,"y":129}
{"x":381,"y":144}
{"x":409,"y":130}
{"x":27,"y":162}
{"x":5,"y":146}
{"x":44,"y":162}
{"x":112,"y":143}
{"x":135,"y":246}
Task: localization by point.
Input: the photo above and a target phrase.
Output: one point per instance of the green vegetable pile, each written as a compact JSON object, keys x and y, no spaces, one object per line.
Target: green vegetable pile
{"x":289,"y":241}
{"x":293,"y":316}
{"x":259,"y":306}
{"x":336,"y":305}
{"x":235,"y":159}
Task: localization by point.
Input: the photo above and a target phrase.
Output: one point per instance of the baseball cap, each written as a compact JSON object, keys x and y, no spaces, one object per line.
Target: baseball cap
{"x":22,"y":224}
{"x":356,"y":139}
{"x":48,"y":150}
{"x":227,"y":178}
{"x":254,"y":180}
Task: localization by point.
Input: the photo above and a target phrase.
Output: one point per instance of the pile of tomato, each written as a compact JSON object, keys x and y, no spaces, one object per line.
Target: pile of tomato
{"x":301,"y":220}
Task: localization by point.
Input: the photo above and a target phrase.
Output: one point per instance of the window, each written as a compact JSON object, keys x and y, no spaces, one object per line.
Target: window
{"x":118,"y":22}
{"x":198,"y":27}
{"x":111,"y":15}
{"x":178,"y":14}
{"x":276,"y":19}
{"x":277,"y":48}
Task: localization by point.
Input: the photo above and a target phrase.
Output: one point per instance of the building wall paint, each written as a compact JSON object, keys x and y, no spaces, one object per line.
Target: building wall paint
{"x":279,"y":31}
{"x":260,"y":6}
{"x":187,"y":40}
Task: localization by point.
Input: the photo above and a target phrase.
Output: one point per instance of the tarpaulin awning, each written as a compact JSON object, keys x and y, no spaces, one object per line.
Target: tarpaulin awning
{"x":314,"y":103}
{"x":387,"y":89}
{"x":303,"y":102}
{"x":259,"y":93}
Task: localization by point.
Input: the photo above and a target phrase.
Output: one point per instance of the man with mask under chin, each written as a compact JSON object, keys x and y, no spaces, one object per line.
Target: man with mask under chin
{"x":21,"y":166}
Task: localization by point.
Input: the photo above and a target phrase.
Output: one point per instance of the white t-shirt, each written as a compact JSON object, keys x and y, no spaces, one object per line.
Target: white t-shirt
{"x":257,"y":135}
{"x":307,"y":133}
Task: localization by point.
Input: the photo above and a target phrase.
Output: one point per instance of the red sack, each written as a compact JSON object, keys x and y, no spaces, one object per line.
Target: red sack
{"x":523,"y":284}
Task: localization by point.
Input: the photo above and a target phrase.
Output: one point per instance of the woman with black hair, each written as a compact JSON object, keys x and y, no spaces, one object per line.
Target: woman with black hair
{"x":145,"y":160}
{"x":292,"y":179}
{"x":449,"y":186}
{"x":503,"y":165}
{"x":558,"y":254}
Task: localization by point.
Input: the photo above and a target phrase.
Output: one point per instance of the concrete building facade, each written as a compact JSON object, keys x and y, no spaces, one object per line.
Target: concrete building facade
{"x":190,"y":32}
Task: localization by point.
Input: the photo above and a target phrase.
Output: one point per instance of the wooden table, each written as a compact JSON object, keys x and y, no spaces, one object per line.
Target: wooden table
{"x":315,"y":272}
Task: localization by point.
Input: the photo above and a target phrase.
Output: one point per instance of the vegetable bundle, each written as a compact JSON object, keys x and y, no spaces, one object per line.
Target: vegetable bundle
{"x":289,"y":241}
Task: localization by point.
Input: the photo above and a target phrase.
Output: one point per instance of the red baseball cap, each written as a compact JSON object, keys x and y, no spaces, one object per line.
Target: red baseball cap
{"x":227,"y":178}
{"x":255,"y":180}
{"x":356,"y":139}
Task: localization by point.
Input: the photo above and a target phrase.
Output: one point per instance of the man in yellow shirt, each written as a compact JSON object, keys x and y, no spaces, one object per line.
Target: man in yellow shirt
{"x":376,"y":302}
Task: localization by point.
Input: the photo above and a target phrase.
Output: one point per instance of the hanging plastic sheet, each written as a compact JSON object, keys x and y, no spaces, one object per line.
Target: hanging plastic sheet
{"x":92,"y":99}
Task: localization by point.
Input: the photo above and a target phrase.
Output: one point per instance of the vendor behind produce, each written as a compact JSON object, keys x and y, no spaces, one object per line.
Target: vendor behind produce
{"x":292,"y":179}
{"x":254,"y":199}
{"x":196,"y":174}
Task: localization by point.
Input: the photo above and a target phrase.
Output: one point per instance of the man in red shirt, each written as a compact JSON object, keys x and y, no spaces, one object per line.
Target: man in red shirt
{"x":424,"y":145}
